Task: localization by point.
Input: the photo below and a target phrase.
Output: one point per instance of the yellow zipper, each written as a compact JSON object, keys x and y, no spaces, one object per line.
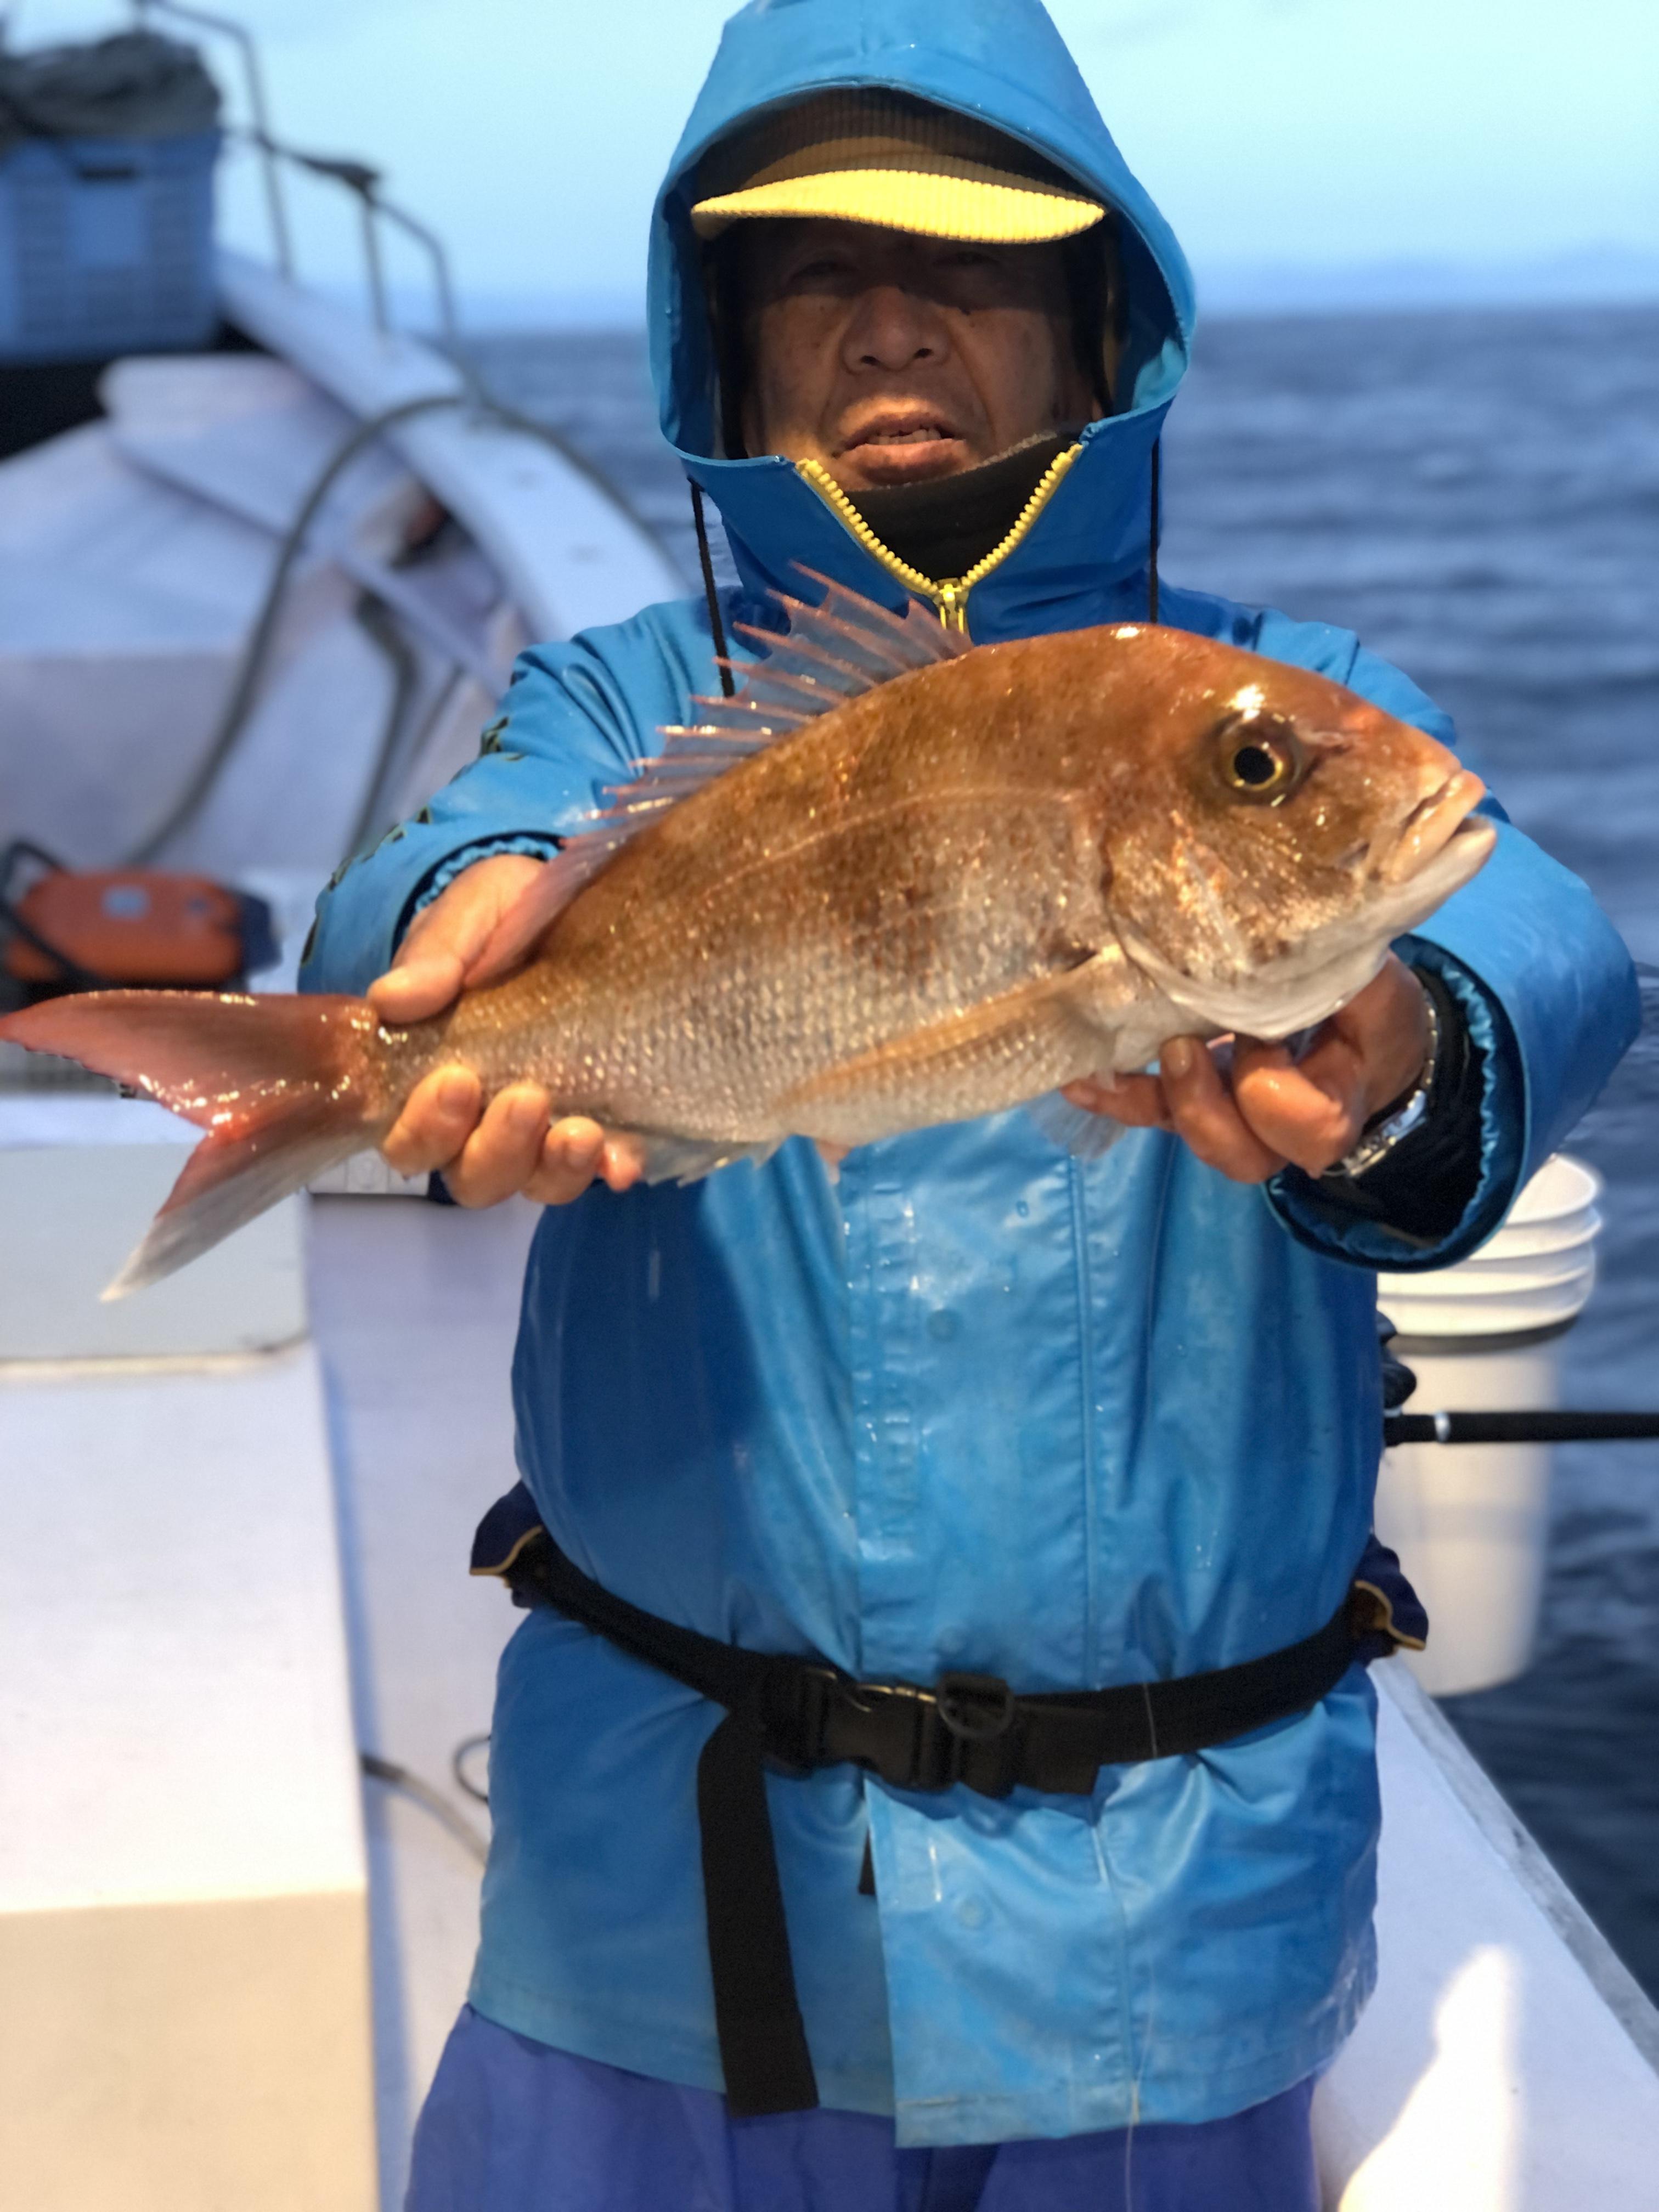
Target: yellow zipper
{"x":951,"y":596}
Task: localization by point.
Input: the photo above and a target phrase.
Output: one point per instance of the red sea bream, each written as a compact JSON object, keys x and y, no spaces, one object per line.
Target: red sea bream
{"x":896,"y":880}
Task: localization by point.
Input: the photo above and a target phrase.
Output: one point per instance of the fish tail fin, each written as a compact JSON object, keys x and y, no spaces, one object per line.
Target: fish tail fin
{"x":284,"y":1085}
{"x":227,"y":1180}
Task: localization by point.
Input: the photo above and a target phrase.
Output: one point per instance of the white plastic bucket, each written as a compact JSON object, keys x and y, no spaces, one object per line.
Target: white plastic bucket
{"x":1471,"y":1522}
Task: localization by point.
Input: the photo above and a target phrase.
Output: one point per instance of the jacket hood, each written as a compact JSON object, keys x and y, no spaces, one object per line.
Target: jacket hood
{"x":1003,"y":63}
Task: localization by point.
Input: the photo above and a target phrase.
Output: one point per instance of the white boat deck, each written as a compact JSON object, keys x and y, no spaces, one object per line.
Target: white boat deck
{"x":185,"y":2017}
{"x":414,"y":1309}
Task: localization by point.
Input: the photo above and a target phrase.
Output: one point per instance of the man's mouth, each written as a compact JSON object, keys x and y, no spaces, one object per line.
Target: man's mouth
{"x":897,"y":424}
{"x":924,"y":434}
{"x":899,"y":444}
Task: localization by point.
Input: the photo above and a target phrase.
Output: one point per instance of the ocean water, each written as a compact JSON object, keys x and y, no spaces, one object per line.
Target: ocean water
{"x":1477,"y":495}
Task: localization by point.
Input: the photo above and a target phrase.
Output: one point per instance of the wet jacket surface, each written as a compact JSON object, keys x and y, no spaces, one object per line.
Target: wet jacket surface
{"x":980,"y":1405}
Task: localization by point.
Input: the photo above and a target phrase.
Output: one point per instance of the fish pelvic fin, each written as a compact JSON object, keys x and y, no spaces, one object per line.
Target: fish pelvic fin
{"x":832,"y":652}
{"x":689,"y":1160}
{"x":1086,"y":1136}
{"x":284,"y":1086}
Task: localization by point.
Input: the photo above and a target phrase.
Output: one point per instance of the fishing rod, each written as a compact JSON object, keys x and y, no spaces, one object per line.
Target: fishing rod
{"x":1536,"y":1426}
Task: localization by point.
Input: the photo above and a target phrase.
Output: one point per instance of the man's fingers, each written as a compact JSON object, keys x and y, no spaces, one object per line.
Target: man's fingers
{"x":504,"y":1152}
{"x":438,"y":1117}
{"x":1189,"y":1096}
{"x":446,"y":938}
{"x":572,"y":1154}
{"x":422,"y":984}
{"x":1365,"y":1056}
{"x":577,"y":1152}
{"x":1312,"y":1113}
{"x":510,"y":1149}
{"x":1203,"y":1113}
{"x":1274,"y":1110}
{"x":1386,"y":1027}
{"x":623,"y":1162}
{"x":1137,"y":1101}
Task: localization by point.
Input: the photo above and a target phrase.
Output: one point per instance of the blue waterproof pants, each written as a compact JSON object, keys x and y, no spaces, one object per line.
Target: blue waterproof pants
{"x":513,"y":2126}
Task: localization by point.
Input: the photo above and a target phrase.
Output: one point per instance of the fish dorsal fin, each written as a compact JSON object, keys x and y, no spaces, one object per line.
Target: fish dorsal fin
{"x":830,"y":654}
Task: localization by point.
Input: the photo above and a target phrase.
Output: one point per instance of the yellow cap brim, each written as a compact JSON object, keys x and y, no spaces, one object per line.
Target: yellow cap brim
{"x":933,"y":206}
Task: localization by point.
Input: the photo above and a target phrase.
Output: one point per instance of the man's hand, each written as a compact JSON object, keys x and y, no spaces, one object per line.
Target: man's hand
{"x":508,"y":1147}
{"x":1271,"y":1110}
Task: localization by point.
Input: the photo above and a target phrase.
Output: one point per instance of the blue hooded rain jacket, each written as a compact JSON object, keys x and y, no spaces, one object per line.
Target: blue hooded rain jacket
{"x":980,"y":1405}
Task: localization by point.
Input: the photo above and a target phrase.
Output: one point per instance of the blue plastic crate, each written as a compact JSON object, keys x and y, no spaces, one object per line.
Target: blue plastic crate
{"x":107,"y":246}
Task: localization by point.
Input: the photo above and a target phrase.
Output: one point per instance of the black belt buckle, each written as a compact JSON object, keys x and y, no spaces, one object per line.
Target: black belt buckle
{"x":796,"y":1705}
{"x":975,"y":1708}
{"x":961,"y":1730}
{"x":893,"y":1729}
{"x":983,"y":1714}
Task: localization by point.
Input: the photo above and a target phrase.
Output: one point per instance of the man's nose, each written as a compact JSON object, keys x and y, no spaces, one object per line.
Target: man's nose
{"x":891,"y":327}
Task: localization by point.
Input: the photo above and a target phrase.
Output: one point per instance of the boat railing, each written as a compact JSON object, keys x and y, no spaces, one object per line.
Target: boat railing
{"x":363,"y":183}
{"x":360,"y":178}
{"x":253,"y":77}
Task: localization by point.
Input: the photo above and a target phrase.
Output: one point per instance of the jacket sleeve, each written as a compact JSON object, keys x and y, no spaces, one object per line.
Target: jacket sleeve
{"x":574,"y":719}
{"x":1550,"y":997}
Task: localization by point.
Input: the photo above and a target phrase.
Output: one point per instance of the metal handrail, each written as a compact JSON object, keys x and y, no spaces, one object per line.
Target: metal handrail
{"x":243,"y":39}
{"x":357,"y":177}
{"x":363,"y":182}
{"x":440,"y":259}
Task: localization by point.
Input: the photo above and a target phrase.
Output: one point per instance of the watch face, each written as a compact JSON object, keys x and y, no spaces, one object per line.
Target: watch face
{"x":1376,"y":1144}
{"x":1379,"y":1137}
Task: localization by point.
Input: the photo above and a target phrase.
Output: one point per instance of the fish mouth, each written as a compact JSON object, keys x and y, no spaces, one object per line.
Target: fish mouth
{"x":1432,"y":825}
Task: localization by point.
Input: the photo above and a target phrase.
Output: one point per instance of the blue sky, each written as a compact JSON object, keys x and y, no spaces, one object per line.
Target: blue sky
{"x":1280,"y":135}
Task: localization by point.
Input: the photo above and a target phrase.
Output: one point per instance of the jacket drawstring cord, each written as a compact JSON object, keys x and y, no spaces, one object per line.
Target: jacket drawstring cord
{"x":727,"y":687}
{"x":1152,"y":546}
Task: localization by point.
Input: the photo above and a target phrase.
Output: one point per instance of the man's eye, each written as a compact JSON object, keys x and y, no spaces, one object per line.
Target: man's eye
{"x":824,"y":270}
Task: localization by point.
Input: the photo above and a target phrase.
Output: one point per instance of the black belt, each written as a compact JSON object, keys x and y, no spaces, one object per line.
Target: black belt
{"x":794,"y":1715}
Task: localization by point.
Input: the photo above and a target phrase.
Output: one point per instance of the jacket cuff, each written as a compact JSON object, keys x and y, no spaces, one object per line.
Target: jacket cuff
{"x":1318,"y":1219}
{"x":533,"y":845}
{"x":371,"y":899}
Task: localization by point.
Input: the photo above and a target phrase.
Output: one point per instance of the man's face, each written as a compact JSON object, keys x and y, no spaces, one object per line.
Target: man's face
{"x":892,"y":359}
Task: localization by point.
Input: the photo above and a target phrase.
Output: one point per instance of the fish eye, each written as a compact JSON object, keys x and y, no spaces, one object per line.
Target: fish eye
{"x":1260,"y":756}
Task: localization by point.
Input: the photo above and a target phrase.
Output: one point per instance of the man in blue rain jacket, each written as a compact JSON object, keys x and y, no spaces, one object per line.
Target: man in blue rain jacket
{"x":980,"y":1404}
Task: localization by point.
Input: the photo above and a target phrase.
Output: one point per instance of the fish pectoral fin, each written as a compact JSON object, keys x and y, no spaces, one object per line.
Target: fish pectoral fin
{"x":996,"y":1054}
{"x":669,"y":1158}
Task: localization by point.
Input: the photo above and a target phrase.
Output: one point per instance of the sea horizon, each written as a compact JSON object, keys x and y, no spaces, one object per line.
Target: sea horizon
{"x":1590,"y":276}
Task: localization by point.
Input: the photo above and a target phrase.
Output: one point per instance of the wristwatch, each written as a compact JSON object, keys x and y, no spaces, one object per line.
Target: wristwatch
{"x":1385,"y":1130}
